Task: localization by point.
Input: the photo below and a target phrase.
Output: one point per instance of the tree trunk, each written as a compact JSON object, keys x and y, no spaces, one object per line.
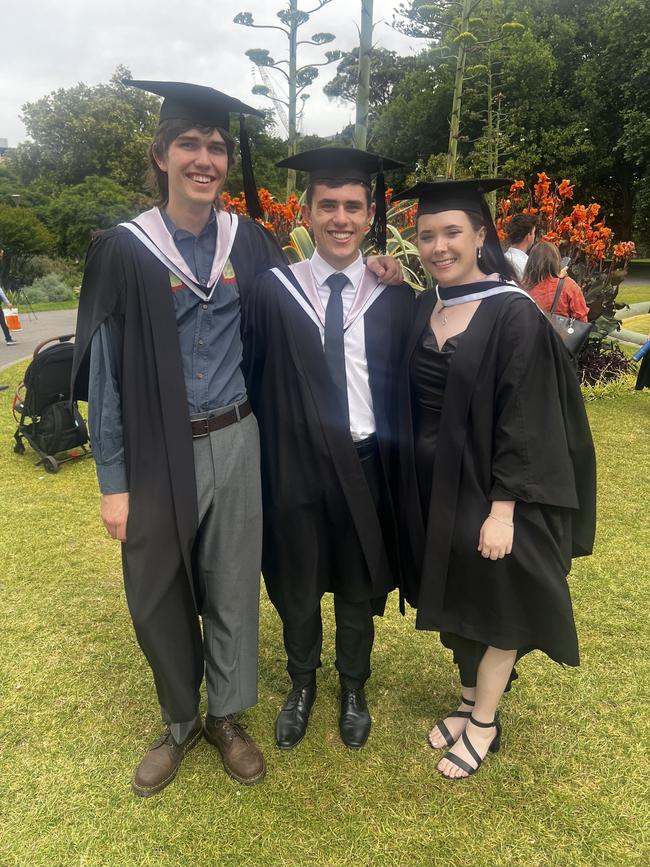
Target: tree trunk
{"x":492,"y":137}
{"x":363,"y":84}
{"x":454,"y":127}
{"x":293,"y":51}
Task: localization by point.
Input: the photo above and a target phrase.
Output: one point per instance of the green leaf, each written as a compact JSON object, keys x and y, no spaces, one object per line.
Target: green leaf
{"x":302,"y":242}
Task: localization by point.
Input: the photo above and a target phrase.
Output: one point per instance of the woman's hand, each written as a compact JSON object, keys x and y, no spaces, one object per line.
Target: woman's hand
{"x":498,"y":532}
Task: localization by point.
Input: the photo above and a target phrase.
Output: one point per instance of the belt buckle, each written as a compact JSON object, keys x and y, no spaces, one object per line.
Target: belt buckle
{"x":202,"y":433}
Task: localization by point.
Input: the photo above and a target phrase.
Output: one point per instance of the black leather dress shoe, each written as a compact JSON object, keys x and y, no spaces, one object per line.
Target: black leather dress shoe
{"x":291,"y":724}
{"x":355,"y":722}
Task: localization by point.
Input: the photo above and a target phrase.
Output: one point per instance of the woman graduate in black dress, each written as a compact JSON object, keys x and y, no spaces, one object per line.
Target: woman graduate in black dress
{"x":499,"y":470}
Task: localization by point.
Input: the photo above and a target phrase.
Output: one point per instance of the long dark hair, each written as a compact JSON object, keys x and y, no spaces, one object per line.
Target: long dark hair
{"x":544,"y":261}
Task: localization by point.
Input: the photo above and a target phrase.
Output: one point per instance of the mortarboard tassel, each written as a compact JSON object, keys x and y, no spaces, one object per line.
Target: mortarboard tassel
{"x":378,"y":228}
{"x":250,"y":187}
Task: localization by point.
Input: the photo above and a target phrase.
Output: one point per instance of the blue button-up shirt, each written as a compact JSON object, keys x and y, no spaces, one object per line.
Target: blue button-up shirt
{"x":211,"y":352}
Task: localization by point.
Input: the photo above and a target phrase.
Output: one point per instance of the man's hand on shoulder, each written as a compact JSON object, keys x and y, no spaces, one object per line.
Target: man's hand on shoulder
{"x":387,"y":269}
{"x":114,"y":511}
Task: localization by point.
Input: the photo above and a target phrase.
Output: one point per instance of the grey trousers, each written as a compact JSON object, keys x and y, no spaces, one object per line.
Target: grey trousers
{"x":227,"y":557}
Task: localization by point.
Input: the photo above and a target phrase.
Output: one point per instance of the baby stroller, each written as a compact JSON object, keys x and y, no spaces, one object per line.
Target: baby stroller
{"x":55,"y":425}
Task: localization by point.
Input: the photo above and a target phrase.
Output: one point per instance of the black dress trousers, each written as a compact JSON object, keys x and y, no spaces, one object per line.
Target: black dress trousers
{"x":355,"y":631}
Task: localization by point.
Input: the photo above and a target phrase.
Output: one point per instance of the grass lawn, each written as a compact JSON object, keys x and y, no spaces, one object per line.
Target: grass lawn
{"x":630,"y":294}
{"x":640,"y":324}
{"x":50,"y":305}
{"x":568,"y":789}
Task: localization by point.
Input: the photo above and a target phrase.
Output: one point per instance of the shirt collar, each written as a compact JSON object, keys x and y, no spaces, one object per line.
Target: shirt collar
{"x":322,"y":270}
{"x":181,"y":234}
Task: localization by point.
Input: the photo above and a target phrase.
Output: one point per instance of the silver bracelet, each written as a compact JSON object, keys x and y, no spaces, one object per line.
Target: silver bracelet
{"x":505,"y":523}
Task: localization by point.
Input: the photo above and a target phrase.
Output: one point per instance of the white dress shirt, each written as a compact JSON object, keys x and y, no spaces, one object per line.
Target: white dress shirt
{"x":362,"y":416}
{"x":517,"y":259}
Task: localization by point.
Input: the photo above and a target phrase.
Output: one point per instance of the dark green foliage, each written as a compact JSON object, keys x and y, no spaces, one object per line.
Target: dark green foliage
{"x":78,"y":211}
{"x":266,"y":150}
{"x":102,"y":130}
{"x":575,"y":86}
{"x":387,"y":69}
{"x":22,"y":236}
{"x":70,"y":271}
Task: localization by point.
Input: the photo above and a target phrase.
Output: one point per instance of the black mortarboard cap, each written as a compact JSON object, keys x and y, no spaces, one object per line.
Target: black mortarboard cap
{"x":434,"y":197}
{"x":205,"y":106}
{"x":446,"y":195}
{"x":348,"y":164}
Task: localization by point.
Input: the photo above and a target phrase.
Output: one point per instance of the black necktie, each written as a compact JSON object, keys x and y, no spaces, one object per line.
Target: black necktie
{"x":334,"y":344}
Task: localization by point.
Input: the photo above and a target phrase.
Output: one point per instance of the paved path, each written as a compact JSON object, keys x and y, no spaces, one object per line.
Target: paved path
{"x":636,"y":309}
{"x":52,"y":323}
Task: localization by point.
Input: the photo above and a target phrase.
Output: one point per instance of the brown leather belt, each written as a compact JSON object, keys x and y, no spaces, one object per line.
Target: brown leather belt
{"x":203,"y":426}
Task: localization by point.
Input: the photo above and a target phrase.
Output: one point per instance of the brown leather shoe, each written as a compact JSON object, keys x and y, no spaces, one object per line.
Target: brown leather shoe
{"x":241,"y":756}
{"x":160,"y":765}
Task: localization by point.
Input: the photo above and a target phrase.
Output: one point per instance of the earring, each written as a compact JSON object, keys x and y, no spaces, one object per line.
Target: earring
{"x":479,"y":253}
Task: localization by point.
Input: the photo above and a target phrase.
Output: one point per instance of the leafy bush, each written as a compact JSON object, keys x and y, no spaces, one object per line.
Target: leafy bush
{"x":50,"y":287}
{"x":601,"y":363}
{"x":70,"y":272}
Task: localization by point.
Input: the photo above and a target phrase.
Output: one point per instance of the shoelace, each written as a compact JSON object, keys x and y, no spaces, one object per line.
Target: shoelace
{"x":234,"y":729}
{"x":165,"y":739}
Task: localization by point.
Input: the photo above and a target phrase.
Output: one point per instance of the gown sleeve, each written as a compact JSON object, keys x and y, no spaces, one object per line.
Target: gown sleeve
{"x":105,"y":412}
{"x":102,"y":296}
{"x":540,"y":423}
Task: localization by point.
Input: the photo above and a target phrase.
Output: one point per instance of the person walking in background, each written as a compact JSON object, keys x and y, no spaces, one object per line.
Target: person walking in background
{"x":3,"y":324}
{"x":541,"y":275}
{"x":521,"y":237}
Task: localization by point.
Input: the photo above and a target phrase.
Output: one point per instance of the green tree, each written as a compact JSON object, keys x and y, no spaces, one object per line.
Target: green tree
{"x":79,"y":210}
{"x":298,"y":78}
{"x":102,"y":130}
{"x":22,"y":236}
{"x":414,"y":124}
{"x":387,"y":67}
{"x":266,"y":150}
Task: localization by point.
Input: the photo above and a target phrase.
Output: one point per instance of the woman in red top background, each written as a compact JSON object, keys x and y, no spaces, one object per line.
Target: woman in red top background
{"x":541,"y":277}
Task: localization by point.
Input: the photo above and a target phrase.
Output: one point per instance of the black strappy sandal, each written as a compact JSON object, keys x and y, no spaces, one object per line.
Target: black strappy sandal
{"x":442,"y":728}
{"x":493,"y":748}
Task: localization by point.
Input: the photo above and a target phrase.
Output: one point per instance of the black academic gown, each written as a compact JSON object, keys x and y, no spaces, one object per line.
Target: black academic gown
{"x":126,"y":282}
{"x":322,"y":532}
{"x":513,"y":427}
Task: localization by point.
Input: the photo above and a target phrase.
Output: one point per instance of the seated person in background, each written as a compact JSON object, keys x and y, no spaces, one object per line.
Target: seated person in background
{"x":541,"y":275}
{"x":521,"y":237}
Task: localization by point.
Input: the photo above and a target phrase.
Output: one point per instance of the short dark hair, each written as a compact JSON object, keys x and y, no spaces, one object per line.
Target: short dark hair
{"x":520,"y":226}
{"x":167,"y":132}
{"x":335,"y":184}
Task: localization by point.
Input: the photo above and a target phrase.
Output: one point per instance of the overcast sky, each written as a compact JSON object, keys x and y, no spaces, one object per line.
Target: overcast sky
{"x":49,"y":44}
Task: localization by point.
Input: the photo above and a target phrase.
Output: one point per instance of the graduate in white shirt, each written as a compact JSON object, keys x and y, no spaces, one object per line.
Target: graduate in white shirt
{"x":323,"y":340}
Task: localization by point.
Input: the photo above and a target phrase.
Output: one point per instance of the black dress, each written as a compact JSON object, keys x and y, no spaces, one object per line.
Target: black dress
{"x":496,"y":415}
{"x":429,"y":370}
